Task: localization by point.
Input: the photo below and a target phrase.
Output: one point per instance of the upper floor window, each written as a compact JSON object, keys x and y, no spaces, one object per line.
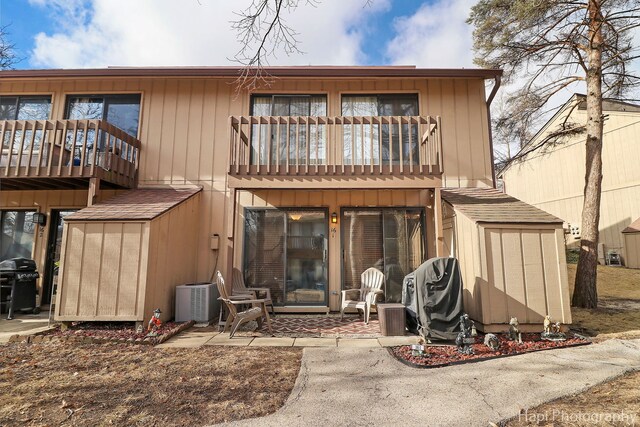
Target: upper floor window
{"x":122,"y":111}
{"x":380,"y":105}
{"x":385,"y":140}
{"x":289,"y":105}
{"x":300,"y":142}
{"x":23,"y":107}
{"x":29,"y":107}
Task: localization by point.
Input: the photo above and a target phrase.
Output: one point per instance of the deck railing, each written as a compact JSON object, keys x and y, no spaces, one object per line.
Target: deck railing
{"x":68,"y":149}
{"x":344,"y":145}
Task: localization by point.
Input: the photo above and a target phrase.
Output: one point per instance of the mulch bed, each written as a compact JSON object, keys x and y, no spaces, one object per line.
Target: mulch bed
{"x":105,"y":332}
{"x":446,"y":355}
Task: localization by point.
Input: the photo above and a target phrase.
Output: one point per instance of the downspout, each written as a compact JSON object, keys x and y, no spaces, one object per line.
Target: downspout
{"x":497,"y":79}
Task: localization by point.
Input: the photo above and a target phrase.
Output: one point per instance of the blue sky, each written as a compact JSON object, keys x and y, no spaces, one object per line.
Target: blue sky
{"x":95,"y":33}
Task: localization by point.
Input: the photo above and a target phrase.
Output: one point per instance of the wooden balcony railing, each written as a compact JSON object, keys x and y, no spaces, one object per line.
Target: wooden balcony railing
{"x":67,"y":149}
{"x":296,"y":146}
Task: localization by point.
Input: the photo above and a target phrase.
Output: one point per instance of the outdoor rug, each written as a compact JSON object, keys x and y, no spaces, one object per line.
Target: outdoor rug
{"x":320,"y":326}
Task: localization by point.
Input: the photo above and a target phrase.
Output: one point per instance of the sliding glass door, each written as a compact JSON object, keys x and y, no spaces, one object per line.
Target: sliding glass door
{"x":389,"y":239}
{"x":286,"y":251}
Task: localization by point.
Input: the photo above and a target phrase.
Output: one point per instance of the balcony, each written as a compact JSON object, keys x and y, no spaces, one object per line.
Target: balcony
{"x":66,"y":154}
{"x":352,"y":152}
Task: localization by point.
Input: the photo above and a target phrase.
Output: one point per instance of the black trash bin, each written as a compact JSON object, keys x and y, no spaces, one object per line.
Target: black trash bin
{"x":18,"y":285}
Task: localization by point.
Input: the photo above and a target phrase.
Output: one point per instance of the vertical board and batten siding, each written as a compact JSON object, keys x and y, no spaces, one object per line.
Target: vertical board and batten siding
{"x":333,"y":201}
{"x":103,"y":269}
{"x":171,"y":261}
{"x":123,"y":270}
{"x":511,"y":270}
{"x":558,"y":175}
{"x":632,"y":249}
{"x":45,"y":202}
{"x":184,"y":130}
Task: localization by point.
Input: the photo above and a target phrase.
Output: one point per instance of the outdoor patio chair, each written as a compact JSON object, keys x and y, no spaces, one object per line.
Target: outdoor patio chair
{"x":371,"y":281}
{"x":239,"y":288}
{"x":236,"y":317}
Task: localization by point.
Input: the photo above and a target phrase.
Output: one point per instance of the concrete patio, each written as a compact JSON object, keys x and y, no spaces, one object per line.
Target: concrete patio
{"x":23,"y":324}
{"x":196,"y":337}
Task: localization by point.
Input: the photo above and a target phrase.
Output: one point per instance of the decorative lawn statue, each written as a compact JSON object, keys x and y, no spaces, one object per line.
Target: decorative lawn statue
{"x":492,"y":341}
{"x":418,"y":350}
{"x":465,"y":336}
{"x":514,"y":330}
{"x":154,"y":323}
{"x":552,"y":331}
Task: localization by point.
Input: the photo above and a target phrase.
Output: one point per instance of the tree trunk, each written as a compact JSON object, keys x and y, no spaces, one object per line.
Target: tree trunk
{"x":585,"y":293}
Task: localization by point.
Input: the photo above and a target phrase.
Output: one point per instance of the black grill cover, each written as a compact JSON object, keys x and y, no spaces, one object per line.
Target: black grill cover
{"x":432,"y":295}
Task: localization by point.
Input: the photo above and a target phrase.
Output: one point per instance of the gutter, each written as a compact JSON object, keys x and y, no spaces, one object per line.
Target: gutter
{"x":498,"y":80}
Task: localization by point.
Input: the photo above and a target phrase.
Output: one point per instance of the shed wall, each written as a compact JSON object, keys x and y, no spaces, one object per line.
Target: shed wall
{"x":172,"y":261}
{"x":511,"y":270}
{"x":632,"y":249}
{"x":103,"y":271}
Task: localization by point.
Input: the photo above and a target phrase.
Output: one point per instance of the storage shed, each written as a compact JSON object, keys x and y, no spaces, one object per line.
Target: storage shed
{"x":122,"y":258}
{"x":631,"y":239}
{"x":512,"y":257}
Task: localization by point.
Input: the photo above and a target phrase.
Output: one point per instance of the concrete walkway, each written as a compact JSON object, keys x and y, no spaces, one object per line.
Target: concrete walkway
{"x":363,"y":387}
{"x":195,"y":337}
{"x":23,"y":324}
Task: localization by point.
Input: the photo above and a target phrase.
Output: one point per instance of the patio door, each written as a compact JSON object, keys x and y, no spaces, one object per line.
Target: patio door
{"x":389,"y":239}
{"x":286,"y":251}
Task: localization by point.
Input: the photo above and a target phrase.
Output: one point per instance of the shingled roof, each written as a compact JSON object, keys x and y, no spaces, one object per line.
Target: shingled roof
{"x":139,"y":204}
{"x":491,"y":205}
{"x":634,"y":227}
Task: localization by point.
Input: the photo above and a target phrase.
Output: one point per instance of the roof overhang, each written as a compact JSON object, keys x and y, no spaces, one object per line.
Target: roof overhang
{"x":234,"y":72}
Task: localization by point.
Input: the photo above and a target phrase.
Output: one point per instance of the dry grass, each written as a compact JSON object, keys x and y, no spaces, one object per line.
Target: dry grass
{"x":96,"y":385}
{"x":618,"y":309}
{"x":620,"y":396}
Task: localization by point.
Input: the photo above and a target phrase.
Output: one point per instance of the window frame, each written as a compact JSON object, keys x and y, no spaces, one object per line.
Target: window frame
{"x":383,"y":94}
{"x":29,"y":96}
{"x":35,"y":226}
{"x":289,"y":95}
{"x":105,"y":97}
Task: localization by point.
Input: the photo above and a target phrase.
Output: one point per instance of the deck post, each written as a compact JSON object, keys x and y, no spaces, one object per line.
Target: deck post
{"x":437,"y":210}
{"x":94,"y":189}
{"x":231,"y":226}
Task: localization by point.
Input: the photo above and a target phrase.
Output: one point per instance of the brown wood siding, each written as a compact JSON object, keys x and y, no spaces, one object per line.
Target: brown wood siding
{"x":511,"y":270}
{"x":171,"y":249}
{"x":44,"y":202}
{"x":123,"y":270}
{"x":96,"y":280}
{"x":554,"y":180}
{"x":632,"y":249}
{"x":184,"y":130}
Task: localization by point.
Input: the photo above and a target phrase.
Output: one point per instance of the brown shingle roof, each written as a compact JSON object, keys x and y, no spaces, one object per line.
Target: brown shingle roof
{"x":139,"y":204}
{"x":491,"y":205}
{"x":634,"y":227}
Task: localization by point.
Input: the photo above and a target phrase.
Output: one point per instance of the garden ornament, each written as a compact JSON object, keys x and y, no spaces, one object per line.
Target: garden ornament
{"x":514,"y":330}
{"x":552,"y":331}
{"x":492,"y":341}
{"x":465,"y":338}
{"x":154,"y":323}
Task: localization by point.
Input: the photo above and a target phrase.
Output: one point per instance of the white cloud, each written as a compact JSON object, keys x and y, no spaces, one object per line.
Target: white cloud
{"x":436,"y":36}
{"x":97,"y":33}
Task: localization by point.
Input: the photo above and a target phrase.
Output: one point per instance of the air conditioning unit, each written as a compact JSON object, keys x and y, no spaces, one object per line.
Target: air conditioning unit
{"x":198,"y":302}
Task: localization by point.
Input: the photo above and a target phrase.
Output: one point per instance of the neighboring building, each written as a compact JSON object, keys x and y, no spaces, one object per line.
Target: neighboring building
{"x":302,"y":185}
{"x":552,"y":177}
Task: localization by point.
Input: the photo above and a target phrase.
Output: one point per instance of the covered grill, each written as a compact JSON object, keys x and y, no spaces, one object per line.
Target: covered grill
{"x":432,"y":295}
{"x":18,"y":285}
